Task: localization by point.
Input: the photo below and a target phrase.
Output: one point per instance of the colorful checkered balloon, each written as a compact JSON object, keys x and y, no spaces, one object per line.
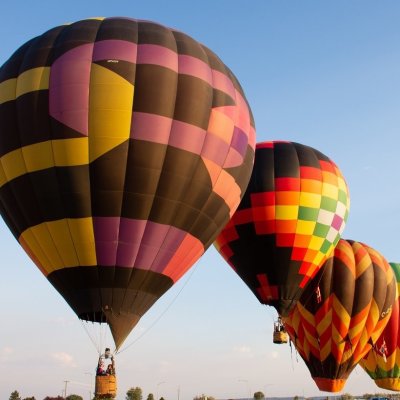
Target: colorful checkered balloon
{"x":288,"y":222}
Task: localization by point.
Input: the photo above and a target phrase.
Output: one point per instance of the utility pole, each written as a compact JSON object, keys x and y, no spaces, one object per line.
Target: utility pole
{"x":65,"y":389}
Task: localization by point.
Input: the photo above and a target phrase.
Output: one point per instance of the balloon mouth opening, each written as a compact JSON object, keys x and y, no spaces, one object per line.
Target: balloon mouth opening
{"x":388,"y":383}
{"x":330,"y":385}
{"x":94,"y":316}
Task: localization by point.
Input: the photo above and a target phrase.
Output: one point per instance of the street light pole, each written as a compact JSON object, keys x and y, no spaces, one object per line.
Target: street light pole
{"x":90,"y":386}
{"x":65,"y":389}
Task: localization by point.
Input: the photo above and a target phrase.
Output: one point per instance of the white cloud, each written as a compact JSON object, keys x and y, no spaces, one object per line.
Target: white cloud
{"x":64,"y":359}
{"x":242,"y":349}
{"x":5,"y":353}
{"x":274,"y":355}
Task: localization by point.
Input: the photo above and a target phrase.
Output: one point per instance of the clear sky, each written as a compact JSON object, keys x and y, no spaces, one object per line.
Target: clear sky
{"x":321,"y":73}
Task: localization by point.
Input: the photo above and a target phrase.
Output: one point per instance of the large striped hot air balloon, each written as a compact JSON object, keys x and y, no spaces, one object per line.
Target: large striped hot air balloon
{"x":382,"y":363}
{"x":342,"y":313}
{"x":288,"y":222}
{"x":125,"y":147}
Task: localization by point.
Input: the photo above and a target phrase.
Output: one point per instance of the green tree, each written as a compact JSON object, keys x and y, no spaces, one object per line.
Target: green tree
{"x":134,"y":394}
{"x":29,"y":398}
{"x":346,"y":396}
{"x":258,"y":396}
{"x":15,"y":395}
{"x":150,"y":396}
{"x":74,"y":397}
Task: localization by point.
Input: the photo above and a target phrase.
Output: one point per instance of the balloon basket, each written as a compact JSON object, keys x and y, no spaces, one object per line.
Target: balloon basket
{"x":106,"y":386}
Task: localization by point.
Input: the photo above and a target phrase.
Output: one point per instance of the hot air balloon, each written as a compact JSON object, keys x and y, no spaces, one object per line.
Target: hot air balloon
{"x":342,"y":313}
{"x":125,"y":147}
{"x":382,"y":362}
{"x":287,"y":224}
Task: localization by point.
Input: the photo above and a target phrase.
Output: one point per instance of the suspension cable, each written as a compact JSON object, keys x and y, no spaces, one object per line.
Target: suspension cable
{"x":194,"y":268}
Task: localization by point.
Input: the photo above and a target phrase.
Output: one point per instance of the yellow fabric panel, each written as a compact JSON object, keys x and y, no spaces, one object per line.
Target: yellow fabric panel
{"x":325,"y":351}
{"x":341,"y":311}
{"x":83,"y":237}
{"x":110,"y":110}
{"x":329,"y":190}
{"x":363,"y":265}
{"x":41,"y":244}
{"x":8,"y":90}
{"x":316,"y":243}
{"x":3,"y":178}
{"x":32,"y":80}
{"x":38,"y":156}
{"x":321,"y":256}
{"x":286,"y":212}
{"x":59,"y":231}
{"x":305,"y":227}
{"x":69,"y":152}
{"x":311,"y":339}
{"x":338,"y":341}
{"x":311,"y":200}
{"x":31,"y":246}
{"x":63,"y":243}
{"x":13,"y":164}
{"x":342,"y":184}
{"x":325,"y":323}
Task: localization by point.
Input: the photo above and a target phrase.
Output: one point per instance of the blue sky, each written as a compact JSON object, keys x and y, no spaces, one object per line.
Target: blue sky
{"x":321,"y":73}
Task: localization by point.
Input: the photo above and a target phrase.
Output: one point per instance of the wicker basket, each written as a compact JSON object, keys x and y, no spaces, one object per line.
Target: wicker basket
{"x":106,"y":386}
{"x":280,"y":337}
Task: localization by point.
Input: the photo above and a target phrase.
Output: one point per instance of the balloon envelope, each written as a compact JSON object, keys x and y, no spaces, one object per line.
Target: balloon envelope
{"x":125,"y":147}
{"x":288,"y":222}
{"x":382,"y":363}
{"x":342,"y":313}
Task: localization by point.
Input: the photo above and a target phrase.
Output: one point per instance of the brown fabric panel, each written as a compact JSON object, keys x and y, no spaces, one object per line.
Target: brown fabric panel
{"x":189,"y":47}
{"x":125,"y":69}
{"x":47,"y":195}
{"x":171,"y":187}
{"x":11,"y":68}
{"x":118,"y":29}
{"x":194,"y":100}
{"x":10,"y":212}
{"x":242,"y":172}
{"x":155,"y":90}
{"x":107,"y":181}
{"x":329,"y":368}
{"x":9,"y":138}
{"x":221,"y":99}
{"x":33,"y":119}
{"x":365,"y":286}
{"x":61,"y":131}
{"x":153,"y":33}
{"x":89,"y":289}
{"x":384,"y":293}
{"x":308,"y":157}
{"x":74,"y":35}
{"x":40,"y":50}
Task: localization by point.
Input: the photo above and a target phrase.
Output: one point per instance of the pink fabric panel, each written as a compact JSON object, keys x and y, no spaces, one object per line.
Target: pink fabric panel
{"x":69,"y":88}
{"x":115,"y":50}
